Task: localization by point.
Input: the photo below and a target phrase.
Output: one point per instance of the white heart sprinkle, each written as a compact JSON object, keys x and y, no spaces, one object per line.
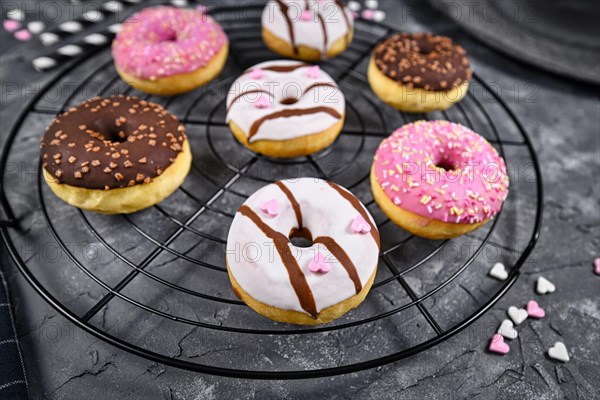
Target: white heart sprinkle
{"x":36,"y":27}
{"x":518,"y":315}
{"x":43,"y":63}
{"x":498,"y":271}
{"x":113,"y":6}
{"x":559,"y":352}
{"x":49,"y":38}
{"x":95,"y":39}
{"x":70,"y":26}
{"x":70,"y":50}
{"x":179,"y":3}
{"x":378,"y":15}
{"x":372,"y":4}
{"x":16,"y":14}
{"x":544,"y":286}
{"x":354,"y":6}
{"x":507,"y":329}
{"x":114,"y":28}
{"x":93,"y":16}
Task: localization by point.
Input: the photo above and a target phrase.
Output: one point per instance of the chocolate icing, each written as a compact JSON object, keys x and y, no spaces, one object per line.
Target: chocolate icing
{"x":295,"y":205}
{"x":423,"y":60}
{"x":291,"y":113}
{"x":297,"y":278}
{"x":109,"y":143}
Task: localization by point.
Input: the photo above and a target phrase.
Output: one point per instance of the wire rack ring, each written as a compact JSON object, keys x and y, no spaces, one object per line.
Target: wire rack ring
{"x":165,"y":273}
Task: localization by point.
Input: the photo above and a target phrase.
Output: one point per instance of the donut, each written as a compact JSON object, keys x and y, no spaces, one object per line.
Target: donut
{"x":419,"y":72}
{"x":285,"y":109}
{"x":115,"y":155}
{"x":304,"y":284}
{"x":308,"y":30}
{"x":167,"y":50}
{"x":438,"y":179}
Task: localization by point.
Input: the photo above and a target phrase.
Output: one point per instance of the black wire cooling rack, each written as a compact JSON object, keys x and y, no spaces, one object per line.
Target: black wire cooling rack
{"x":154,"y":283}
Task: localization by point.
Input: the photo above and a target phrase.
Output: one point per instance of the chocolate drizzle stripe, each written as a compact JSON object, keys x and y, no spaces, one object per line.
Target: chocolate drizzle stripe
{"x":358,"y":207}
{"x":236,"y":98}
{"x":325,"y":38}
{"x":297,"y":278}
{"x":340,"y":4}
{"x":291,"y":113}
{"x":284,"y":10}
{"x":319,"y":84}
{"x":285,"y":68}
{"x":343,"y":258}
{"x":295,"y":205}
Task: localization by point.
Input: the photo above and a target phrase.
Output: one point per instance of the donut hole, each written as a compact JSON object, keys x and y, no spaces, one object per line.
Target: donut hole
{"x":301,"y":238}
{"x":446,"y":165}
{"x":109,"y":130}
{"x":288,"y":101}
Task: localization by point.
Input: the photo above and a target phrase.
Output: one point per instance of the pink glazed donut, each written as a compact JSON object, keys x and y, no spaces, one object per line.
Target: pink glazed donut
{"x":438,"y":179}
{"x":167,"y":50}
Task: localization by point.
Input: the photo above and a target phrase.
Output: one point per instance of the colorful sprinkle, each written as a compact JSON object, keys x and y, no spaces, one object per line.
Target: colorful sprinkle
{"x":498,"y":271}
{"x":497,"y":344}
{"x":360,"y":225}
{"x":319,"y":264}
{"x":507,"y":329}
{"x":257,"y":73}
{"x":559,"y":352}
{"x":23,"y":35}
{"x":11,"y":25}
{"x":270,"y":207}
{"x":262,"y":102}
{"x":597,"y":266}
{"x":534,"y":310}
{"x":544,"y":286}
{"x":518,"y":315}
{"x":314,"y":72}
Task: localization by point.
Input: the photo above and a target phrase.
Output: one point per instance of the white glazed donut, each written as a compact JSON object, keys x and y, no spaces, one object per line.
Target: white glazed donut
{"x":307,"y":29}
{"x":302,"y":285}
{"x":275,"y":106}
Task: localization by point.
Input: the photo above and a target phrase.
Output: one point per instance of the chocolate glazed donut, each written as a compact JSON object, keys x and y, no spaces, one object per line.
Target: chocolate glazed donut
{"x":419,"y":72}
{"x":109,"y":154}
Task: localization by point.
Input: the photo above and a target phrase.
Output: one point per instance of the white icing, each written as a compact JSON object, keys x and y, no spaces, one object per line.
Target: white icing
{"x":283,"y":85}
{"x":325,"y":213}
{"x":308,"y":33}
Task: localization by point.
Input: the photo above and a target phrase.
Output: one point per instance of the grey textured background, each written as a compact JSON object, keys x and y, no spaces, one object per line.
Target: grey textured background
{"x":563,"y":119}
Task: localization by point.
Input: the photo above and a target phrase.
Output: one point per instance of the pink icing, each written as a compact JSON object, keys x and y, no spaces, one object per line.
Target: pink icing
{"x":442,"y":171}
{"x":165,"y":41}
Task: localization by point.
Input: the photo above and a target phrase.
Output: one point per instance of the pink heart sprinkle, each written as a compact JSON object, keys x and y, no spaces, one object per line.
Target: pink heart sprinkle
{"x":597,"y":265}
{"x":262,"y":102}
{"x":23,"y":35}
{"x":306,"y":15}
{"x":534,"y":310}
{"x":319,"y":264}
{"x":497,"y":344}
{"x":368,"y":14}
{"x":314,"y":72}
{"x":270,"y":207}
{"x":11,"y":25}
{"x":360,"y":225}
{"x":257,"y":73}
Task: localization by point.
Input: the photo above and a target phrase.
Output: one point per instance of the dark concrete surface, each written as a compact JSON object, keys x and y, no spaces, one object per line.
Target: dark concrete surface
{"x":563,"y":120}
